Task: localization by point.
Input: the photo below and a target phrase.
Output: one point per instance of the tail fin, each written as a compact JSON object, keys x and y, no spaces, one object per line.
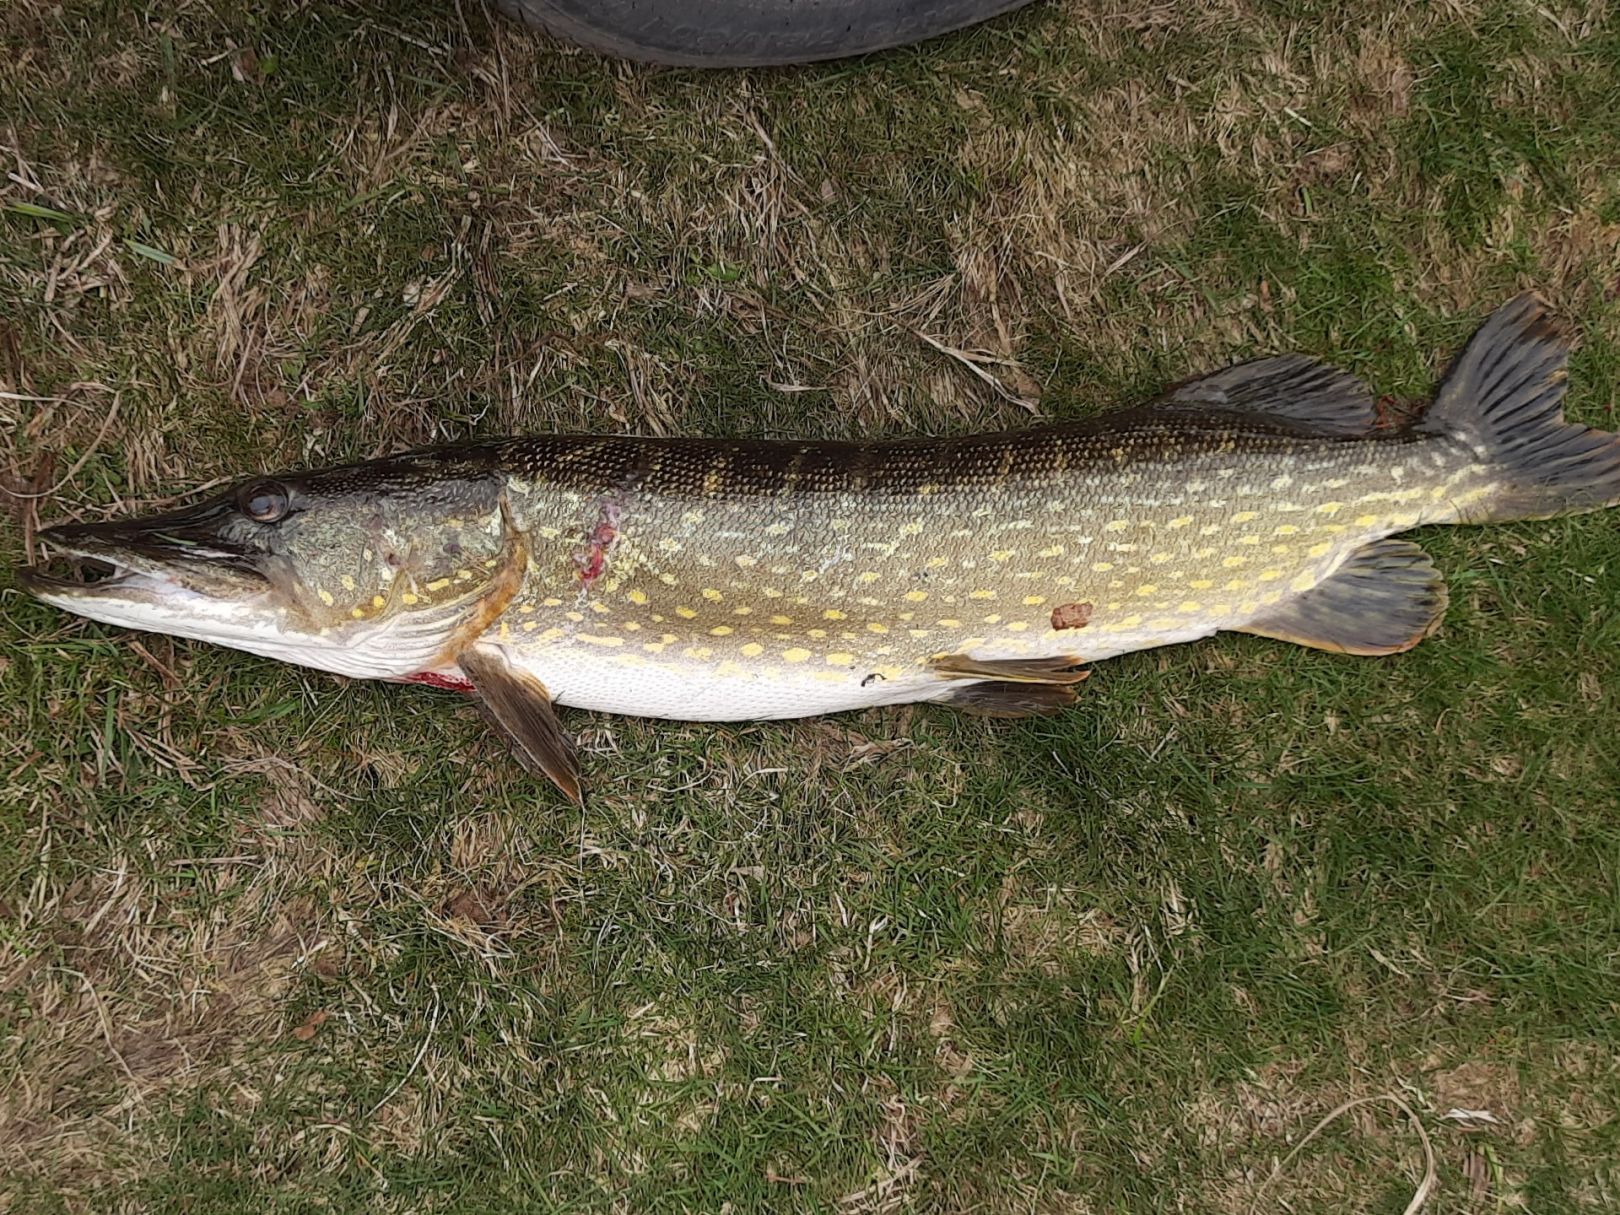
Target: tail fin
{"x":1504,"y":397}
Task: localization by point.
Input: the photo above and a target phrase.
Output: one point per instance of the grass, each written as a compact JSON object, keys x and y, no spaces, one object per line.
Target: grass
{"x":272,"y":941}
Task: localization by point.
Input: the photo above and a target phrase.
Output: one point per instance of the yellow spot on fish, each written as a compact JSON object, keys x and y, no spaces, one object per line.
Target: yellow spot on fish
{"x":1236,"y":584}
{"x":348,"y":582}
{"x":1181,"y":521}
{"x":1320,"y":550}
{"x":1243,"y":516}
{"x":1055,"y":551}
{"x":1200,"y":584}
{"x":1158,"y":558}
{"x":1269,"y":575}
{"x":684,"y":612}
{"x":770,"y":592}
{"x":438,"y":584}
{"x":832,"y":614}
{"x":1248,"y":539}
{"x":744,"y":561}
{"x":1102,"y":567}
{"x":632,"y":626}
{"x":1147,"y":588}
{"x":1366,"y":520}
{"x":711,"y":594}
{"x":867,"y":576}
{"x":1001,"y":554}
{"x":781,"y":620}
{"x":981,"y":594}
{"x":720,"y":630}
{"x":1330,"y":508}
{"x":796,"y":654}
{"x":1232,"y":563}
{"x":1288,"y":529}
{"x":1116,"y":525}
{"x":937,"y":563}
{"x":378,"y":601}
{"x":1190,"y":605}
{"x":1034,"y":600}
{"x":993,"y":618}
{"x":358,"y":613}
{"x":638,"y":597}
{"x":1302,"y":582}
{"x":326,"y":597}
{"x":668,"y":579}
{"x":699,"y":651}
{"x":576,"y":617}
{"x":840,"y":659}
{"x":529,"y":626}
{"x":742,"y":610}
{"x":875,"y":627}
{"x":950,"y":622}
{"x":409,"y":597}
{"x":752,"y":650}
{"x":1017,"y":626}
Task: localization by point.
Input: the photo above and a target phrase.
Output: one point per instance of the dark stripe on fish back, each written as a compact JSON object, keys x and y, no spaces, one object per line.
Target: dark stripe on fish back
{"x":731,"y":469}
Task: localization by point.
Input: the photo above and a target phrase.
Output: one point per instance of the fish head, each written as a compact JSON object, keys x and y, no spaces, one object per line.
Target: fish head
{"x":373,"y":571}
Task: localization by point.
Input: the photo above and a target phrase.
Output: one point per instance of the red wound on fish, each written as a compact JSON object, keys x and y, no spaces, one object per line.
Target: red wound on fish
{"x":436,"y":679}
{"x":1071,"y":615}
{"x":594,"y":559}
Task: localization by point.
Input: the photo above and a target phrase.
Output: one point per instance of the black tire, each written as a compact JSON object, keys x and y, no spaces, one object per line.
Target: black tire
{"x":747,"y":33}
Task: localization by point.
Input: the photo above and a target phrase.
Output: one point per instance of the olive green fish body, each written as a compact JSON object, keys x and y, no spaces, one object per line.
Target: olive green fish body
{"x":743,"y":580}
{"x":707,"y":579}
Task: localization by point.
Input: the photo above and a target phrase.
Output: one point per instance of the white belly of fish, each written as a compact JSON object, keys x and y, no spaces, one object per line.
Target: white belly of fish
{"x":687,"y":689}
{"x":696,"y":691}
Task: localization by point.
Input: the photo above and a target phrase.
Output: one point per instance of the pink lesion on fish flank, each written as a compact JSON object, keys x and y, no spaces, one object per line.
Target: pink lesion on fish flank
{"x":593,"y":560}
{"x":437,"y":679}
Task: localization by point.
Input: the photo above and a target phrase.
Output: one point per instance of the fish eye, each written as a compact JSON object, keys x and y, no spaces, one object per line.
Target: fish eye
{"x":264,"y":501}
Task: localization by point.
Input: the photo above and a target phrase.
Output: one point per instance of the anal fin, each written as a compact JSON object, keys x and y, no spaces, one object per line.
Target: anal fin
{"x":1001,"y":698}
{"x":1384,"y":599}
{"x":519,"y":704}
{"x":1061,"y":670}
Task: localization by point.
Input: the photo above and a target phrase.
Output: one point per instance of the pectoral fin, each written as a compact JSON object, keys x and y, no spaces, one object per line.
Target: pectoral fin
{"x":1384,"y":599}
{"x":519,"y":704}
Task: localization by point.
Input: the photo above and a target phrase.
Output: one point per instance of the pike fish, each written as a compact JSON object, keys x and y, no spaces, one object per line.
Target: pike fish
{"x":721,"y":580}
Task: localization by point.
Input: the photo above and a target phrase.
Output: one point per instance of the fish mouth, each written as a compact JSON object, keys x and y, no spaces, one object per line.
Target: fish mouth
{"x":73,"y":574}
{"x":83,"y":563}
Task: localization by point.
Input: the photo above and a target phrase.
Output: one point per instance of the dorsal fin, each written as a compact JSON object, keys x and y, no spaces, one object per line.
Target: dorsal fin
{"x":1290,"y":386}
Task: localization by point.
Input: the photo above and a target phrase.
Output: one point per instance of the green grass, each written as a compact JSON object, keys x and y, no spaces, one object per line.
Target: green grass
{"x":1118,"y":960}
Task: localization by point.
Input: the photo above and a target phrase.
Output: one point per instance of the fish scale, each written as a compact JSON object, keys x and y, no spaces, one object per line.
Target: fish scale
{"x":734,"y":589}
{"x":724,"y":579}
